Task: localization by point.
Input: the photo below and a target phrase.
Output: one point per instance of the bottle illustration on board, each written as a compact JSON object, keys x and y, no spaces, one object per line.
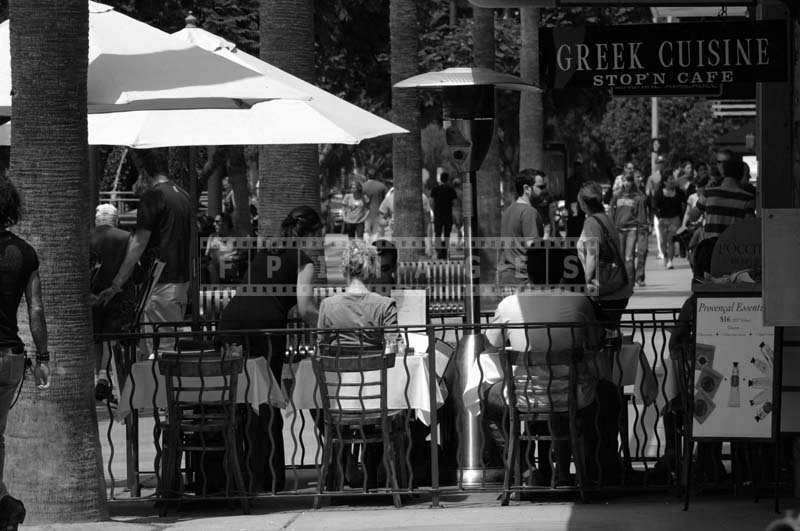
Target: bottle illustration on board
{"x":733,"y":400}
{"x":766,"y":409}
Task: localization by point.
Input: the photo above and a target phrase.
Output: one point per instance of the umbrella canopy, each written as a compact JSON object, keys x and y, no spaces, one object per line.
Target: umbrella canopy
{"x":141,"y":67}
{"x":322,"y":119}
{"x":326,"y":111}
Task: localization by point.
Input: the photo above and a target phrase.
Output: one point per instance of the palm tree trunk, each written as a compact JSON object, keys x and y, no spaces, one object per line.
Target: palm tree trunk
{"x":406,"y":149}
{"x":531,"y":113}
{"x":52,"y":446}
{"x":489,"y":175}
{"x":289,"y":175}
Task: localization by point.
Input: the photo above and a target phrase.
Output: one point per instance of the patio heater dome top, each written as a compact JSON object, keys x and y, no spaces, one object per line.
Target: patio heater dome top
{"x":467,"y":77}
{"x":191,"y":20}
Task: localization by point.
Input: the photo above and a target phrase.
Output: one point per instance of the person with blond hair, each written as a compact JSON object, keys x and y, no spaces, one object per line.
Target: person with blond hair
{"x":358,"y":308}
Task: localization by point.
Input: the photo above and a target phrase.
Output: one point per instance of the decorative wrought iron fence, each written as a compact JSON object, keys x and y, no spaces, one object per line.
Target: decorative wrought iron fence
{"x":428,"y":419}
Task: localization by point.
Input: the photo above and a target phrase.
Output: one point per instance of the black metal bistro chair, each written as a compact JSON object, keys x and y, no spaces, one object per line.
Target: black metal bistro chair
{"x":529,"y":400}
{"x":353,"y":386}
{"x":203,"y":413}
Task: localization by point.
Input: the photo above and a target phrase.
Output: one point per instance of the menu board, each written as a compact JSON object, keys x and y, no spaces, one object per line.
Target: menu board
{"x":410,"y":306}
{"x":734,"y":389}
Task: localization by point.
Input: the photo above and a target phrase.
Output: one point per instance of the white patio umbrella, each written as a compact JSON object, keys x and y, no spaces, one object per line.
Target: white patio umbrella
{"x":321,"y":119}
{"x":138,"y":66}
{"x":335,"y":120}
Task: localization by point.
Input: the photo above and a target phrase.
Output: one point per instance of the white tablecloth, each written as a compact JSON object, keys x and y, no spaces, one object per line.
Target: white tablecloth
{"x":636,"y":369}
{"x":405,"y":390}
{"x":263,"y":388}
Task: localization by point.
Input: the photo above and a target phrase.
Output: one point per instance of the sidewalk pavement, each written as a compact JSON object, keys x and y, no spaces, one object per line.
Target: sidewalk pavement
{"x":465,"y":512}
{"x":664,"y":288}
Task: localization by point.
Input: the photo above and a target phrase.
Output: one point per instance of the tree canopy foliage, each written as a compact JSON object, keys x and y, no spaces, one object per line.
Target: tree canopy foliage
{"x":352,"y":62}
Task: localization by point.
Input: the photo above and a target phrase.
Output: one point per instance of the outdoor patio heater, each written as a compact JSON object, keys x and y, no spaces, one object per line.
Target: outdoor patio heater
{"x":468,"y":103}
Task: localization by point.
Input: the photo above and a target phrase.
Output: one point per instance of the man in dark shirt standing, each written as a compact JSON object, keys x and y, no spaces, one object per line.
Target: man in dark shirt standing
{"x":163,"y":223}
{"x":444,"y":196}
{"x":19,"y":266}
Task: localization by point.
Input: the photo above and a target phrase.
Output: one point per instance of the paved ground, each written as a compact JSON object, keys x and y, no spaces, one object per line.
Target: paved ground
{"x":664,"y":288}
{"x":479,"y":511}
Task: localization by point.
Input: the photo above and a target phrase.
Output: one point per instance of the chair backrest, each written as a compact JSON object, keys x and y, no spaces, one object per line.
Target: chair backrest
{"x":352,"y":379}
{"x":196,"y":377}
{"x":543,"y":381}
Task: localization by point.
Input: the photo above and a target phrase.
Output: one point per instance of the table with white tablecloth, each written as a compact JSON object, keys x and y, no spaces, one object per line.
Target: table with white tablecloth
{"x":633,"y":370}
{"x":650,"y":390}
{"x":407,"y":386}
{"x":256,"y":386}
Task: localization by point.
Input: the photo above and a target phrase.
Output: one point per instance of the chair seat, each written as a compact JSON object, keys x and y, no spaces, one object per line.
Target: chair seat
{"x":370,"y":418}
{"x":536,"y":414}
{"x":194,"y":427}
{"x":203,"y":448}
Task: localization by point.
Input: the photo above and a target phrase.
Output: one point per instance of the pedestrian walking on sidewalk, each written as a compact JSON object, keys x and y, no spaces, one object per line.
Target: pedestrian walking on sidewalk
{"x":669,"y":203}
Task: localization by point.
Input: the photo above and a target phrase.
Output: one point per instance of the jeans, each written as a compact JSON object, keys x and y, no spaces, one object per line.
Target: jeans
{"x":627,"y":247}
{"x":668,"y":227}
{"x":442,"y":227}
{"x":642,"y":244}
{"x":657,"y":230}
{"x":354,"y":230}
{"x":11,"y":369}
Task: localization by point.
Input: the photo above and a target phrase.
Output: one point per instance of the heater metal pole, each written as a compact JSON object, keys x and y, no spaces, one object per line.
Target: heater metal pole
{"x":472,"y":470}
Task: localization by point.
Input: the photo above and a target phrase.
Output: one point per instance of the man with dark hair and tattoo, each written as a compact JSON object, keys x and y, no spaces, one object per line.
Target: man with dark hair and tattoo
{"x":20,"y":275}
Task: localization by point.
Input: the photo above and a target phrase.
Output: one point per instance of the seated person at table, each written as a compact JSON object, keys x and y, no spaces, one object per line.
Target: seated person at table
{"x":562,"y":266}
{"x":387,"y":260}
{"x":681,"y":347}
{"x":358,"y":307}
{"x":275,"y":267}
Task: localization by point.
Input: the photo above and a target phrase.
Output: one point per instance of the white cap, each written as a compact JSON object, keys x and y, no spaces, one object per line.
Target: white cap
{"x":106,"y":214}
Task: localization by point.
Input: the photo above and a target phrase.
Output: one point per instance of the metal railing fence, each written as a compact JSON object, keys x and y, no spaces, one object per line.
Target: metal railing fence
{"x":433,"y":423}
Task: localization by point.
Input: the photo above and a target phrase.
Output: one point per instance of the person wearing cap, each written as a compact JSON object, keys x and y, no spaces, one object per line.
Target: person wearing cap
{"x":108,"y":245}
{"x":107,"y":248}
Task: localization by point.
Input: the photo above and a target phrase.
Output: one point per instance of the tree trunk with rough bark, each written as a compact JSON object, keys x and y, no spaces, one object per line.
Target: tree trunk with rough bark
{"x":289,"y":175}
{"x":53,"y":458}
{"x":489,"y":174}
{"x":531,"y":112}
{"x":406,"y":149}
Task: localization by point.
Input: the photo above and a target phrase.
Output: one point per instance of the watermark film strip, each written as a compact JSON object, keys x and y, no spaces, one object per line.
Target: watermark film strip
{"x":342,"y":241}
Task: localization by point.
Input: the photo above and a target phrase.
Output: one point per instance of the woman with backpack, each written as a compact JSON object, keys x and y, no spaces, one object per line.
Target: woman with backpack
{"x":603,"y":261}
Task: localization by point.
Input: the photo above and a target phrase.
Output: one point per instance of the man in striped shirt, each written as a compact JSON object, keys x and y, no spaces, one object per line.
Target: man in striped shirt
{"x":726,"y":203}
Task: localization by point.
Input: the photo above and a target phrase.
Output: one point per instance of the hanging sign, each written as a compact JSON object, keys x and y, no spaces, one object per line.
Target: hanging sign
{"x":665,"y":59}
